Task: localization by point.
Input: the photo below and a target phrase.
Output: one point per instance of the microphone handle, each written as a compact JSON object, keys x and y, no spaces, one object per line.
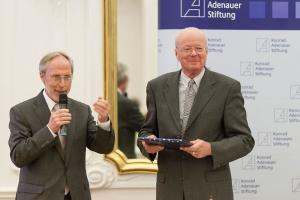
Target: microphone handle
{"x":62,"y":105}
{"x":63,"y":129}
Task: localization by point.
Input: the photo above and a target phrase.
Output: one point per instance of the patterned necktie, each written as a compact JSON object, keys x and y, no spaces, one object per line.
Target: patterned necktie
{"x":188,"y":102}
{"x":62,"y":138}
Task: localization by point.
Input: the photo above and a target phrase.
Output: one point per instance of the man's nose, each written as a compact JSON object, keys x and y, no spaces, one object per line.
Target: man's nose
{"x":62,"y":82}
{"x":194,"y":53}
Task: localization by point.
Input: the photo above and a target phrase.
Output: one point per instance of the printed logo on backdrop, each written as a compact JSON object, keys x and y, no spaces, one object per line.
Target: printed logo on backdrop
{"x":259,"y":162}
{"x":230,"y":14}
{"x":193,"y":8}
{"x":286,"y":115}
{"x":274,"y":139}
{"x":245,"y":186}
{"x":196,"y":8}
{"x":295,"y":92}
{"x":296,"y":185}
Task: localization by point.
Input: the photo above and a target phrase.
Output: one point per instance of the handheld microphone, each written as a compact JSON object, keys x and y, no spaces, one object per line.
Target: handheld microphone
{"x":63,"y":103}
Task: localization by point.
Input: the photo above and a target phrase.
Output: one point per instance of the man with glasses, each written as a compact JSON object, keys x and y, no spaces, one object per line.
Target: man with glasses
{"x":200,"y":106}
{"x":52,"y":166}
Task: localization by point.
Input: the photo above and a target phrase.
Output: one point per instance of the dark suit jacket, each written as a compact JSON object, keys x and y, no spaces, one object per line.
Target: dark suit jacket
{"x":217,"y":116}
{"x":44,"y":166}
{"x":130,"y":121}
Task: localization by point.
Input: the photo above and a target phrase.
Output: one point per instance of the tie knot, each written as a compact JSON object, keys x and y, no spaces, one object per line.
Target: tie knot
{"x":55,"y":107}
{"x":191,"y":83}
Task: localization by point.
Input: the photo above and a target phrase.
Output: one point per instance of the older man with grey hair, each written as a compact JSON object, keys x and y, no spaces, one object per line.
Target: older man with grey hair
{"x":52,"y":165}
{"x":200,"y":106}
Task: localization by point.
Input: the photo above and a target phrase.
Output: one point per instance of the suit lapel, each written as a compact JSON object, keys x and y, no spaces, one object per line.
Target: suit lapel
{"x":205,"y":92}
{"x":171,"y":95}
{"x":42,"y":109}
{"x":43,"y":113}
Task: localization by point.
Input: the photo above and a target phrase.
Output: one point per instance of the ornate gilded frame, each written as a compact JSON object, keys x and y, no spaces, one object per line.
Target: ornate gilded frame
{"x":124,"y":165}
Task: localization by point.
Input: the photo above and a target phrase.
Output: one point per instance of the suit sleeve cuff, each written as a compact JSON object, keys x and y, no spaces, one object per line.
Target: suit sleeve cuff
{"x":104,"y":125}
{"x":52,"y":133}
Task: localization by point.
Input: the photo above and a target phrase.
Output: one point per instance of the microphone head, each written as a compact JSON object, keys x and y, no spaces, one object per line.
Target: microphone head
{"x":63,"y":99}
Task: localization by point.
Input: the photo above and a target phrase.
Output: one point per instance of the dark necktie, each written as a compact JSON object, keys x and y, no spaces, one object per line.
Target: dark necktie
{"x":62,"y":139}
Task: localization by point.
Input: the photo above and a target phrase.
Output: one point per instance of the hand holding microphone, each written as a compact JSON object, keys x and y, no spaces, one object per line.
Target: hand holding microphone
{"x":60,"y":117}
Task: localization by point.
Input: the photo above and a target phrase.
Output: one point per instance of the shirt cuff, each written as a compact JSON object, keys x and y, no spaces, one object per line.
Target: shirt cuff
{"x":105,"y":125}
{"x":53,"y":134}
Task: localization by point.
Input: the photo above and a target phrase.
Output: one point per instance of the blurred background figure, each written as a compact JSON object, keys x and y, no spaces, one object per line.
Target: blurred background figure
{"x":130,"y":118}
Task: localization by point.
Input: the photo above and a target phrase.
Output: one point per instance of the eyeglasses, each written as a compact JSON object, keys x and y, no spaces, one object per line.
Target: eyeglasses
{"x":189,"y":50}
{"x":58,"y":78}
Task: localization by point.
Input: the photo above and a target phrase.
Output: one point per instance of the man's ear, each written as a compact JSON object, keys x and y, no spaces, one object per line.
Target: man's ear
{"x":43,"y":76}
{"x":177,"y":55}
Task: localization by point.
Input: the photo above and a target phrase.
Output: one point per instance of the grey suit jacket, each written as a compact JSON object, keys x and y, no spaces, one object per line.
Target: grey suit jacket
{"x":217,"y":116}
{"x":45,"y":167}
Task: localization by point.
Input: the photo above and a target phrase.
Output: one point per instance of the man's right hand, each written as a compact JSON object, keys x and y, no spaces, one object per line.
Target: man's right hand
{"x":152,"y":148}
{"x":58,"y":118}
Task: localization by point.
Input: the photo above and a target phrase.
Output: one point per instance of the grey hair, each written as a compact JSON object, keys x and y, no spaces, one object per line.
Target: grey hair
{"x":50,"y":56}
{"x":122,"y":73}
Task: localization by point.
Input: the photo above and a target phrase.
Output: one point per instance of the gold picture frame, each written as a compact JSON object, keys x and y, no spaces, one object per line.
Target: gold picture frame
{"x":117,"y":157}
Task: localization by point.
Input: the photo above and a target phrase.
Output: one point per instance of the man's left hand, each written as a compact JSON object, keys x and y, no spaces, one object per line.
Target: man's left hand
{"x":199,"y":148}
{"x":102,"y":107}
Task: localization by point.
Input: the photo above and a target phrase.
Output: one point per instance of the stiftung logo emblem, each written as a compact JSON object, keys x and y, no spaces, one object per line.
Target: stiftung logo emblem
{"x":192,"y":8}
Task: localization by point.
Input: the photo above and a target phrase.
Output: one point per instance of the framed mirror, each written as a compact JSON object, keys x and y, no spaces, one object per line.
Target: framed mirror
{"x":124,"y":165}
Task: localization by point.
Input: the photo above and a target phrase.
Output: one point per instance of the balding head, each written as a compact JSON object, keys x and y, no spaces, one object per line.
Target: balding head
{"x":187,"y":33}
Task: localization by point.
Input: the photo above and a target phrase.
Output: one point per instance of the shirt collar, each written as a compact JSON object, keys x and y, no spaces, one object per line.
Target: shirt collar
{"x":50,"y":102}
{"x":118,"y":89}
{"x":184,"y":79}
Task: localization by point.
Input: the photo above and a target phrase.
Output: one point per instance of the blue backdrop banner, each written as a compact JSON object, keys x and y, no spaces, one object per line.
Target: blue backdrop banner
{"x":256,"y":42}
{"x":230,"y":14}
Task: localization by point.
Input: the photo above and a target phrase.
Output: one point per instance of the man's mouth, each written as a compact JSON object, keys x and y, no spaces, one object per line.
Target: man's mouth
{"x":61,"y":92}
